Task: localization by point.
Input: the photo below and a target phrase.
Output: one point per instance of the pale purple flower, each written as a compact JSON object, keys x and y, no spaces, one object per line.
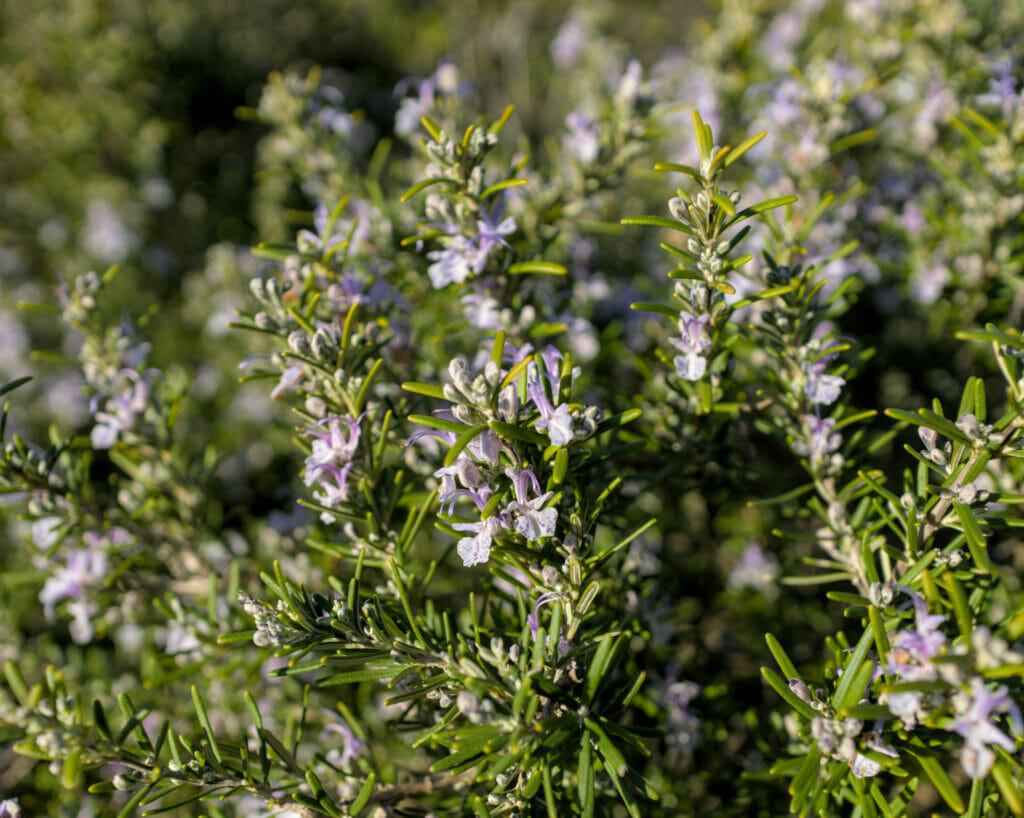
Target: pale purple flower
{"x":567,"y":47}
{"x":864,"y":767}
{"x":756,"y":570}
{"x":105,"y":235}
{"x":927,"y":283}
{"x":477,"y":549}
{"x":936,"y":106}
{"x":486,"y":447}
{"x":490,"y":234}
{"x":820,"y":440}
{"x":330,"y":460}
{"x":978,"y":731}
{"x":682,"y":728}
{"x":482,"y":311}
{"x":925,"y":641}
{"x":556,"y":421}
{"x":1002,"y":88}
{"x":46,"y":531}
{"x":911,"y":655}
{"x":542,"y":600}
{"x":352,"y":745}
{"x":120,"y":409}
{"x":413,"y":108}
{"x":552,"y":360}
{"x":290,"y":380}
{"x":10,"y":808}
{"x":693,"y":342}
{"x":821,"y":388}
{"x":531,"y":520}
{"x":84,"y":568}
{"x":332,"y":444}
{"x":583,"y":138}
{"x":332,"y":487}
{"x":454,"y":264}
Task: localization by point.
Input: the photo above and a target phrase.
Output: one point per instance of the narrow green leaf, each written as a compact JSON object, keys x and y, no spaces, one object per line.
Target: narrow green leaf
{"x":937,"y":775}
{"x":760,"y":207}
{"x":659,"y":221}
{"x":585,"y":778}
{"x":977,"y":798}
{"x":480,"y":808}
{"x":801,"y":784}
{"x":702,"y":135}
{"x":677,"y":168}
{"x":512,"y":432}
{"x":420,"y":186}
{"x":204,"y":722}
{"x":497,"y":187}
{"x":16,"y":682}
{"x":782,"y":688}
{"x":621,"y":419}
{"x":461,"y":442}
{"x":975,"y":539}
{"x":781,"y":658}
{"x":1008,"y":786}
{"x":610,"y":754}
{"x":743,"y":147}
{"x":254,"y":711}
{"x":539,"y":267}
{"x":854,"y":139}
{"x":878,"y":631}
{"x":650,"y":306}
{"x":189,"y":799}
{"x":847,"y":694}
{"x":501,"y":121}
{"x":456,"y":759}
{"x":723,"y":202}
{"x":438,"y":423}
{"x":356,"y":676}
{"x":12,"y":385}
{"x":600,"y":665}
{"x":135,"y":800}
{"x":961,"y":608}
{"x":282,"y":752}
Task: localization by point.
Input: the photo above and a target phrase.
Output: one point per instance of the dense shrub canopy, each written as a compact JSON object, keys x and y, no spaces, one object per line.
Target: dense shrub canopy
{"x":511,"y":410}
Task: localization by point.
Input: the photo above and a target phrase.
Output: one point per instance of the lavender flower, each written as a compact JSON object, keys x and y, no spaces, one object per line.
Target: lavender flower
{"x":120,"y":409}
{"x":477,"y":549}
{"x":1002,"y":88}
{"x":693,"y":343}
{"x":567,"y":47}
{"x":465,"y":256}
{"x":331,"y":444}
{"x":557,"y":422}
{"x":543,"y":599}
{"x":682,"y":729}
{"x":756,"y":570}
{"x":10,"y":808}
{"x":454,"y":264}
{"x":977,"y":729}
{"x":531,"y":520}
{"x":821,"y":440}
{"x":290,"y":380}
{"x":911,"y":655}
{"x":583,"y":139}
{"x":84,"y":568}
{"x":490,"y":232}
{"x":352,"y":745}
{"x":821,"y":388}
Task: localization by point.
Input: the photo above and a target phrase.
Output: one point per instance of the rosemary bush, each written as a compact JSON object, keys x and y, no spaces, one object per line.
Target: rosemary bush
{"x":654,"y":451}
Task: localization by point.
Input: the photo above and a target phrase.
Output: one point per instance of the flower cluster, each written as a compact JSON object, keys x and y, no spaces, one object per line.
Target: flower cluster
{"x":478,"y":471}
